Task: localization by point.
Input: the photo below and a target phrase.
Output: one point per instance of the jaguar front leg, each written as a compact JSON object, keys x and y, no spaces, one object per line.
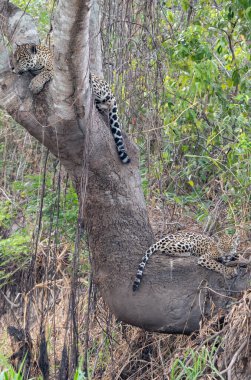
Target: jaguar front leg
{"x":38,"y":82}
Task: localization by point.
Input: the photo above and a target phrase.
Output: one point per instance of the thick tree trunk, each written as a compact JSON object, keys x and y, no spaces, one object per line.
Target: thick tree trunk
{"x":174,"y":294}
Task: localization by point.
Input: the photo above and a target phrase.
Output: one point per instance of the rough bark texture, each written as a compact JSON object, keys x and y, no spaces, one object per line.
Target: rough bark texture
{"x":172,"y":296}
{"x":95,"y":40}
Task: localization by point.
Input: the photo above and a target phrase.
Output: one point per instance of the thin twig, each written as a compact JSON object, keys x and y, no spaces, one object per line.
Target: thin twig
{"x":234,"y":358}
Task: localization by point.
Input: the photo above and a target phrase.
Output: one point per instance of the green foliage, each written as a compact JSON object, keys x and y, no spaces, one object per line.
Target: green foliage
{"x":6,"y":214}
{"x":10,"y":374}
{"x":199,"y":101}
{"x":14,"y":246}
{"x":40,"y":10}
{"x":14,"y":255}
{"x":194,"y":365}
{"x":79,"y":375}
{"x":59,"y":215}
{"x":59,"y":210}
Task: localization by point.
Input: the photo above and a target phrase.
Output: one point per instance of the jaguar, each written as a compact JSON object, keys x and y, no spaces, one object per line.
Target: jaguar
{"x":211,"y":253}
{"x":38,"y":59}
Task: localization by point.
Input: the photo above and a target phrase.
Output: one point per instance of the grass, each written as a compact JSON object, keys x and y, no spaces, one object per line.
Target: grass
{"x":195,"y":364}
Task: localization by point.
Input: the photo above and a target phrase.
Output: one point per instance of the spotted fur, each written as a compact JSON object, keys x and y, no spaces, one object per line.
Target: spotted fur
{"x":105,"y":100}
{"x":38,"y":59}
{"x":212,"y":254}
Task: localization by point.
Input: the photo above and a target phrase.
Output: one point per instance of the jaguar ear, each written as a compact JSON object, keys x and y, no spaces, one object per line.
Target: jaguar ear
{"x":33,"y":49}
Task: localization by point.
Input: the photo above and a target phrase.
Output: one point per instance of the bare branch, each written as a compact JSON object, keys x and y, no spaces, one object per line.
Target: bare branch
{"x":18,"y":27}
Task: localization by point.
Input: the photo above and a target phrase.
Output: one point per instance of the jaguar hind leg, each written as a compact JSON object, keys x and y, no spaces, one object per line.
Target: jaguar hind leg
{"x":209,"y":263}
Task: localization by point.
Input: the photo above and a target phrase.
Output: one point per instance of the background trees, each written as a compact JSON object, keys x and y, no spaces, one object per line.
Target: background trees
{"x":180,"y":71}
{"x":191,"y":111}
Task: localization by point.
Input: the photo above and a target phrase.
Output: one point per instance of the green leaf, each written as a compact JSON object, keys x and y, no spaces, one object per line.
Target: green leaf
{"x":219,"y":49}
{"x":170,"y":17}
{"x":230,"y":14}
{"x":236,"y":77}
{"x":248,"y":14}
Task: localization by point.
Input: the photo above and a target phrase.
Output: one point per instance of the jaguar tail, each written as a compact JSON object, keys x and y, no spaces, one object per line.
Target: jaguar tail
{"x":117,"y":135}
{"x":142,"y":265}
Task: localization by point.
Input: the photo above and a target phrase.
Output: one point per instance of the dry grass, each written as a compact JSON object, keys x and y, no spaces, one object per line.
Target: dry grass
{"x":138,"y":355}
{"x":119,"y":352}
{"x":115,"y":351}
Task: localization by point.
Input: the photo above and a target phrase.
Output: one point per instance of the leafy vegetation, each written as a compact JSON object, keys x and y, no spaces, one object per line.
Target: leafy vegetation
{"x":41,"y":11}
{"x":200,"y":363}
{"x":59,"y":214}
{"x":182,"y":78}
{"x":11,"y":374}
{"x":196,"y":100}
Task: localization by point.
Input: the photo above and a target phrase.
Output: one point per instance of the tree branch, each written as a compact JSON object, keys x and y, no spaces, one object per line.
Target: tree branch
{"x":71,"y":76}
{"x":38,"y":114}
{"x":17,"y":25}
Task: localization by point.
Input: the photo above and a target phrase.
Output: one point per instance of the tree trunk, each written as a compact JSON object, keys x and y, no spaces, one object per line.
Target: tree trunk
{"x":174,"y":294}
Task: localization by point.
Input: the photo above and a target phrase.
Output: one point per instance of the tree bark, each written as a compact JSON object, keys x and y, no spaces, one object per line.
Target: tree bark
{"x":174,"y":293}
{"x":95,"y":40}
